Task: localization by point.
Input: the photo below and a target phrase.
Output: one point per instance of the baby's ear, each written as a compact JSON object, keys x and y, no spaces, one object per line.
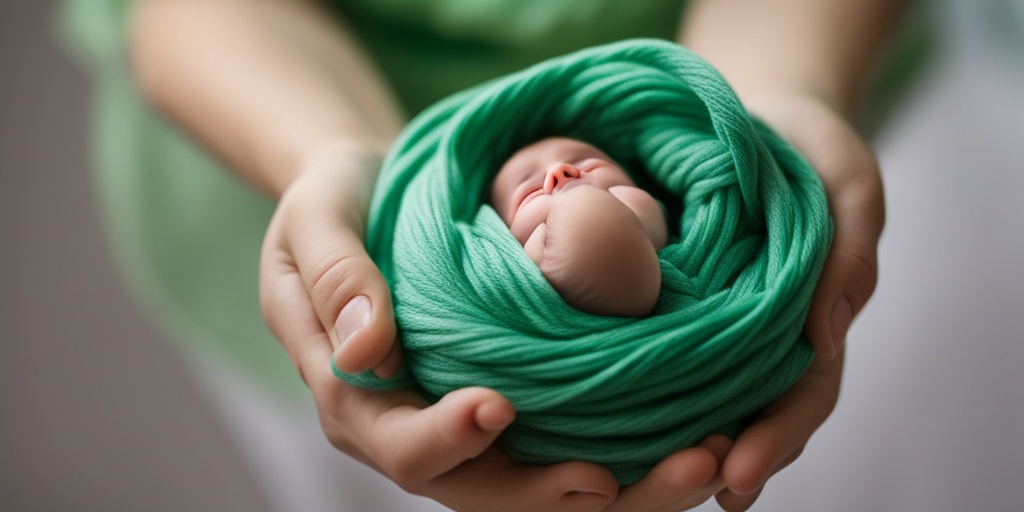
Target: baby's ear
{"x":535,"y":244}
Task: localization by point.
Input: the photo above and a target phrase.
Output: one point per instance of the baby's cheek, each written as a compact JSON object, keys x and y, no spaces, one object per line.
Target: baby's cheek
{"x":647,"y":209}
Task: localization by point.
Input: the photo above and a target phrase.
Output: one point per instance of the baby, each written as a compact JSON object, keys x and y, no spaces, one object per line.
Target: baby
{"x":579,"y":217}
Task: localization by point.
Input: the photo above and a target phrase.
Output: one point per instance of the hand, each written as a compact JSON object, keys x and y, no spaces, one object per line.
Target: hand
{"x":854,"y":187}
{"x":853,"y":183}
{"x":682,"y":481}
{"x":778,"y":435}
{"x":314,"y":267}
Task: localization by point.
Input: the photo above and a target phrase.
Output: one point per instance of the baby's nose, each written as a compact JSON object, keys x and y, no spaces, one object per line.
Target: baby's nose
{"x":558,"y":175}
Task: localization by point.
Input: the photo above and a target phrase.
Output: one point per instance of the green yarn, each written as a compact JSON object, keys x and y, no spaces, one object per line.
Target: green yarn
{"x":750,"y":229}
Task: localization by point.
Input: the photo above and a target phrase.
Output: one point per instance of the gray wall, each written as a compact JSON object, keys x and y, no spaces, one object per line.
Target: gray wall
{"x":96,"y":411}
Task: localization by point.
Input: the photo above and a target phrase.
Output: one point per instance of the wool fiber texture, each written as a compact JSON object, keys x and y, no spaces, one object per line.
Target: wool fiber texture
{"x":749,"y":232}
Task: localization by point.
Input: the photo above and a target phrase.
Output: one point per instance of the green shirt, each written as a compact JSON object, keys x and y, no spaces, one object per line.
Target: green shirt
{"x":187,"y":234}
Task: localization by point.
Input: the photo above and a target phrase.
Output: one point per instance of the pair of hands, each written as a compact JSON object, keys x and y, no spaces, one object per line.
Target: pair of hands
{"x":324,"y":298}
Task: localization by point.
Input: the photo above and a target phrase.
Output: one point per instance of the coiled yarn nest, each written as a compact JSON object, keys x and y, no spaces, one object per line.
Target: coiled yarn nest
{"x":750,"y":227}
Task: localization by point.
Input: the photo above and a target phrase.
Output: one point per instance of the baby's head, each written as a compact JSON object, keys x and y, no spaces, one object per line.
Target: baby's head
{"x":593,"y":233}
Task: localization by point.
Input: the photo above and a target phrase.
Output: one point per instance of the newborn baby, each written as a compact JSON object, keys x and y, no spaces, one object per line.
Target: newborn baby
{"x":579,"y":217}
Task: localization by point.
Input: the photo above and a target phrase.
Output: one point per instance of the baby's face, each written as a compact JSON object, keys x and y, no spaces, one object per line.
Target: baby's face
{"x":528,"y":187}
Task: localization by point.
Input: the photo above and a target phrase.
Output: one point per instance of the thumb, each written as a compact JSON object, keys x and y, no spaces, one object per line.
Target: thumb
{"x":850,"y":273}
{"x":353,"y":302}
{"x":322,"y":234}
{"x":853,"y":183}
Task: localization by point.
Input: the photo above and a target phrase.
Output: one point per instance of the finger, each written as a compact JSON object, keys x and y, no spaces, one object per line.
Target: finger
{"x":289,"y":315}
{"x":495,"y":483}
{"x":719,"y":446}
{"x":418,"y":445}
{"x":733,"y":502}
{"x":391,"y":364}
{"x":683,"y":480}
{"x":853,"y":183}
{"x":347,"y":291}
{"x":783,"y":428}
{"x":856,"y":201}
{"x":849,"y":276}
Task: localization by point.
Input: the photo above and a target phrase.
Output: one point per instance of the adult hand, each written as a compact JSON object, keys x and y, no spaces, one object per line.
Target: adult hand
{"x":779,"y":434}
{"x":323,"y":297}
{"x":682,"y":481}
{"x":853,"y":183}
{"x":854,"y":187}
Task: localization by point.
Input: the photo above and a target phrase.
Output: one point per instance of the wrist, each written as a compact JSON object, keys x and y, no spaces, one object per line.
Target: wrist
{"x":827,"y":50}
{"x":773,"y":104}
{"x":333,"y":180}
{"x":342,"y":154}
{"x":764,"y":96}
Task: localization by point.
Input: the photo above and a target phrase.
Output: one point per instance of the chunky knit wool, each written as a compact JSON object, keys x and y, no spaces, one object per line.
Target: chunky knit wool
{"x":750,"y":231}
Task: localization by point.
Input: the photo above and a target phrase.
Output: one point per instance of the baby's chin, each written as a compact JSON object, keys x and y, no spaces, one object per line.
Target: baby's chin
{"x":598,"y":256}
{"x":626,"y":287}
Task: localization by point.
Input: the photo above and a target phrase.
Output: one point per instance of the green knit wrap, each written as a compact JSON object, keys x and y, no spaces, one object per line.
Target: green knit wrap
{"x":749,"y":232}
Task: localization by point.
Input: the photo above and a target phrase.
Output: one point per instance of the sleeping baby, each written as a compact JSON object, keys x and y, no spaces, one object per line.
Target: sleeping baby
{"x":583,"y":221}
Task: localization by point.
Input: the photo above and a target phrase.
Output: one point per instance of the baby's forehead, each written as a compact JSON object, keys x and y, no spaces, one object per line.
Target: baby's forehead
{"x":533,"y":158}
{"x":558,"y":148}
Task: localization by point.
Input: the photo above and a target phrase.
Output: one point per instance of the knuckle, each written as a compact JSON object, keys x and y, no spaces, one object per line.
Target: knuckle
{"x":332,"y":423}
{"x":334,"y":434}
{"x":301,"y":370}
{"x":334,"y":278}
{"x":864,"y":278}
{"x":266,"y":304}
{"x":406,"y":472}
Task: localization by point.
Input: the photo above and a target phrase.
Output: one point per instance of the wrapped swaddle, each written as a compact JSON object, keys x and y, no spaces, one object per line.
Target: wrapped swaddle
{"x":749,"y":228}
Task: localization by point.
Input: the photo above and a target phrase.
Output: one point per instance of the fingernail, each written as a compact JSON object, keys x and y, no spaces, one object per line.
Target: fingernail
{"x":595,"y":492}
{"x":353,"y":317}
{"x":842,"y":315}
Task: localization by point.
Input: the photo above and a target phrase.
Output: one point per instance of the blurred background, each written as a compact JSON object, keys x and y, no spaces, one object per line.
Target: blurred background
{"x":99,"y":412}
{"x":96,"y":409}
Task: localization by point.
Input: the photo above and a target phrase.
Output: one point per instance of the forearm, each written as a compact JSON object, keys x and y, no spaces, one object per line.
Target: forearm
{"x":828,"y":49}
{"x":264,"y":84}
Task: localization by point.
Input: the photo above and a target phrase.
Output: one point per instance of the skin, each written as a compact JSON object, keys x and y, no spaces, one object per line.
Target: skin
{"x":282,"y":94}
{"x":583,"y":221}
